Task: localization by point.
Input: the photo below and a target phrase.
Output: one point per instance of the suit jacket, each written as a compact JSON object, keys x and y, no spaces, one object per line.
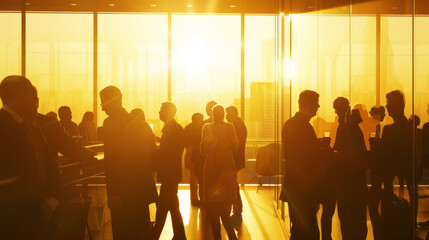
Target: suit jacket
{"x":19,"y":165}
{"x":239,"y":155}
{"x":170,"y":153}
{"x":396,"y":147}
{"x":129,"y":150}
{"x":303,"y":170}
{"x":59,"y":141}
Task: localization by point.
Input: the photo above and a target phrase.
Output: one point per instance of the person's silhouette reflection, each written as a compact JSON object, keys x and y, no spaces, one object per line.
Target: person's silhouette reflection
{"x":303,"y":173}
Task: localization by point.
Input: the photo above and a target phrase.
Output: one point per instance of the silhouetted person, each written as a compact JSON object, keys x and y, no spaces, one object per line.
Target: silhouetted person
{"x":425,"y":144}
{"x":239,"y":155}
{"x":139,"y":113}
{"x":209,"y":107}
{"x":29,"y":176}
{"x":192,"y":135}
{"x":396,"y":146}
{"x":70,"y":127}
{"x":169,"y":167}
{"x":129,"y":151}
{"x":52,"y":115}
{"x":377,"y":172}
{"x":87,"y":129}
{"x":218,"y":143}
{"x":352,"y":155}
{"x":303,"y":174}
{"x":331,"y":176}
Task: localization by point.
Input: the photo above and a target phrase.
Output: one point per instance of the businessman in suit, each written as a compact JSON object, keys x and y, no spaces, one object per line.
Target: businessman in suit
{"x":129,"y":150}
{"x":239,"y":155}
{"x":169,"y":167}
{"x":29,"y":176}
{"x":303,"y":174}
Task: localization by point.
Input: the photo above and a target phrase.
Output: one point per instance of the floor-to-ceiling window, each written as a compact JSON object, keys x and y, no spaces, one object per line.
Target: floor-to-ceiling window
{"x":59,"y":60}
{"x":10,"y":43}
{"x":133,"y":55}
{"x":205,"y":62}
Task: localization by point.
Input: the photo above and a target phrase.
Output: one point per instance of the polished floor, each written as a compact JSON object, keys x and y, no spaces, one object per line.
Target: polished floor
{"x":260,"y":220}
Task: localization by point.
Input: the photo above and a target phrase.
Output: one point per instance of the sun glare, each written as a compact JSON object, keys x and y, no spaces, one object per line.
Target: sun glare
{"x":195,"y":56}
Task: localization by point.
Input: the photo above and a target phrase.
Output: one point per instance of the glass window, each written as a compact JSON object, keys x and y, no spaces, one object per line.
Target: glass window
{"x":260,"y":76}
{"x":133,"y":55}
{"x":10,"y":44}
{"x":421,"y":71}
{"x":396,"y":59}
{"x":60,"y":60}
{"x":206,"y":52}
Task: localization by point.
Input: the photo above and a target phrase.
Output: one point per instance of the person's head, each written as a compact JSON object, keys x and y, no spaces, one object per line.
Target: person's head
{"x":395,"y":103}
{"x":355,"y":117}
{"x":52,"y":114}
{"x":209,"y":107}
{"x":111,"y":100}
{"x":231,"y":113}
{"x":341,"y":107}
{"x":414,"y":120}
{"x":378,"y":113}
{"x":88,"y":117}
{"x":65,"y":114}
{"x":218,"y":113}
{"x":138,"y":113}
{"x":167,"y":112}
{"x":17,"y":93}
{"x":197,"y":118}
{"x":308,"y":102}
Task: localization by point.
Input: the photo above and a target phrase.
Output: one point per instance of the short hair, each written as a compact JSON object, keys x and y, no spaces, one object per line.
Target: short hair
{"x":306,"y":97}
{"x":218,"y":113}
{"x":232,"y":109}
{"x":110,"y":94}
{"x":170,"y":107}
{"x":341,"y":103}
{"x":397,"y":98}
{"x":138,"y":113}
{"x":10,"y":87}
{"x":197,"y":116}
{"x":210,"y":105}
{"x":62,"y":110}
{"x":377,"y":110}
{"x":88,"y":116}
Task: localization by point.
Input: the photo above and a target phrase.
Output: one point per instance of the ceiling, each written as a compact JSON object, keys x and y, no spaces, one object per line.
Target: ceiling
{"x":222,"y":6}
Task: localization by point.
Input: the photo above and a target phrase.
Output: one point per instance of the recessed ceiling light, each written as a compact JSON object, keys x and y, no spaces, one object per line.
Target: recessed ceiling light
{"x":189,"y":5}
{"x":233,"y":6}
{"x":27,"y":4}
{"x":73,"y":4}
{"x":153,"y":5}
{"x":394,"y":8}
{"x":310,"y":6}
{"x":111,"y":4}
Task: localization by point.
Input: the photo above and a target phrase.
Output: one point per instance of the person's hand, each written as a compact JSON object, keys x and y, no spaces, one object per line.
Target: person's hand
{"x":49,"y":207}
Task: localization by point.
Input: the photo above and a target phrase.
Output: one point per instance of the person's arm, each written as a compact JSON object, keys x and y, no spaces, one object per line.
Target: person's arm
{"x":68,"y":147}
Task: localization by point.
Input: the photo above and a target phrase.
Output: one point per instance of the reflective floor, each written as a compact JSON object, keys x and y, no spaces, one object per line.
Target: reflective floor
{"x":259,"y":218}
